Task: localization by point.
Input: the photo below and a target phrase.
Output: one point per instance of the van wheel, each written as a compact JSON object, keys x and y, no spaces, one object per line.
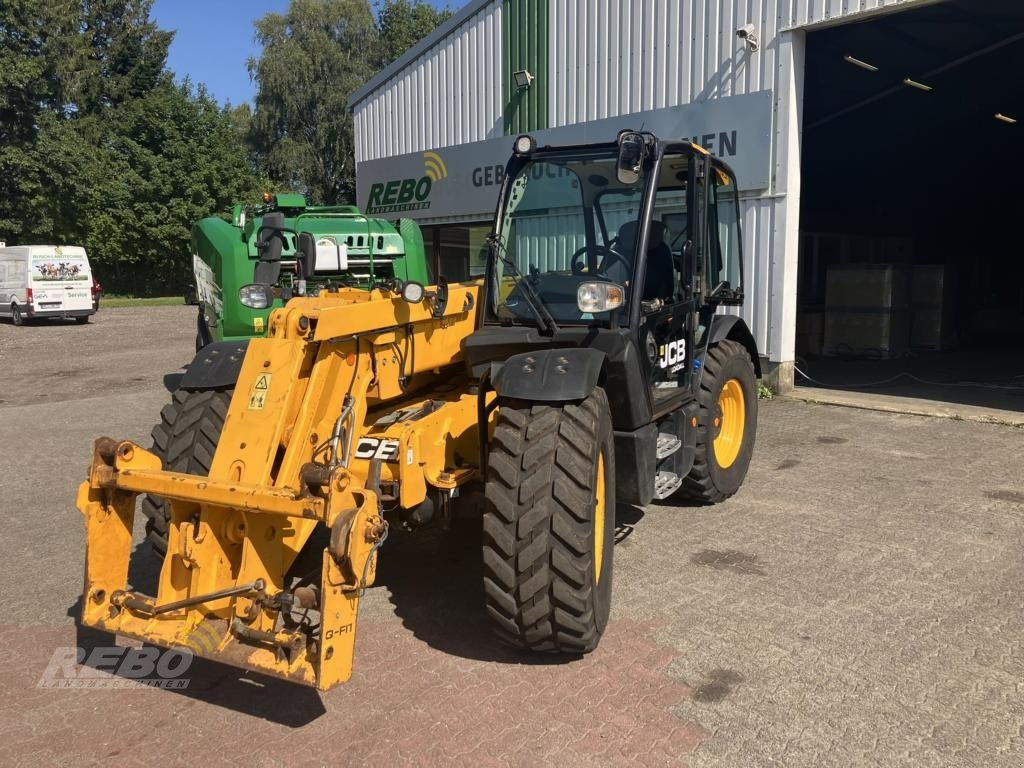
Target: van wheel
{"x":549,"y":524}
{"x":82,"y":320}
{"x":185,"y":440}
{"x":727,"y":425}
{"x":16,"y":316}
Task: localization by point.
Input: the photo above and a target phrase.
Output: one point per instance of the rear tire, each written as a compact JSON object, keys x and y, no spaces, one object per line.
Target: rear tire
{"x":185,"y":440}
{"x":16,"y":316}
{"x":549,"y":524}
{"x":82,"y":320}
{"x":728,"y":394}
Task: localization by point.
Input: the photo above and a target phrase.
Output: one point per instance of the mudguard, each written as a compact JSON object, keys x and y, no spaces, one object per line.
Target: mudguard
{"x":549,"y":375}
{"x":733,"y":327}
{"x":216,"y":365}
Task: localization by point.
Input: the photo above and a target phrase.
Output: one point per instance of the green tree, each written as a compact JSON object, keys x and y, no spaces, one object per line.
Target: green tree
{"x":402,"y":24}
{"x":99,"y":147}
{"x":129,"y":184}
{"x":314,"y":55}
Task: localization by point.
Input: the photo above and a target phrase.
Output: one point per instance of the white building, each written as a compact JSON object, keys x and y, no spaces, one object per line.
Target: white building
{"x":880,"y":114}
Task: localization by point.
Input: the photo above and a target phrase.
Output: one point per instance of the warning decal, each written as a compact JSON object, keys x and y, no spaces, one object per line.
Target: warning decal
{"x":258,"y":393}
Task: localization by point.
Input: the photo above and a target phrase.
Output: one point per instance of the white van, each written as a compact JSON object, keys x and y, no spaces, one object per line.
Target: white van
{"x":45,"y":281}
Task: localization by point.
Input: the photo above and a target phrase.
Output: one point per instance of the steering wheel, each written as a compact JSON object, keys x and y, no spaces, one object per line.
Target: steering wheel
{"x":610,"y":257}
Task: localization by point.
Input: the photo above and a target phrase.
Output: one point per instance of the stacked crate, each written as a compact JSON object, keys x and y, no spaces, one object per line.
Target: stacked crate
{"x":867,"y":310}
{"x":931,"y":302}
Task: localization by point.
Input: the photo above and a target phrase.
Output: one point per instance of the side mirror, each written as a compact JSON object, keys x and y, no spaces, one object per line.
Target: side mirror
{"x":413,"y":292}
{"x":268,"y":268}
{"x":306,"y":257}
{"x":256,"y":295}
{"x":631,"y":157}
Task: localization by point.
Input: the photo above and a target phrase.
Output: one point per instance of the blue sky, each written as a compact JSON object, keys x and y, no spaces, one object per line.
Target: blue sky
{"x":215,"y":38}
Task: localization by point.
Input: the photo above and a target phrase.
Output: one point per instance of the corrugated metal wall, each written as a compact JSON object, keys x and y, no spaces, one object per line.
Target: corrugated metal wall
{"x":614,"y":57}
{"x":450,"y":94}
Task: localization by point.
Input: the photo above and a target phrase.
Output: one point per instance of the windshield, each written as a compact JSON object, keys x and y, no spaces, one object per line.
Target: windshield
{"x":567,"y":221}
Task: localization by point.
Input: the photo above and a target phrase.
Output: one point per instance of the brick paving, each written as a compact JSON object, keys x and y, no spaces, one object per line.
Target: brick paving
{"x":858,"y":603}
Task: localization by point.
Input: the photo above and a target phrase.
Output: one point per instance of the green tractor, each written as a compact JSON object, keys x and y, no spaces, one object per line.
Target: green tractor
{"x":260,"y":244}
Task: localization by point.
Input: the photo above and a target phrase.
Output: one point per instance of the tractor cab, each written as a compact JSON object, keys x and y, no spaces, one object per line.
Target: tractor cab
{"x":621,"y":253}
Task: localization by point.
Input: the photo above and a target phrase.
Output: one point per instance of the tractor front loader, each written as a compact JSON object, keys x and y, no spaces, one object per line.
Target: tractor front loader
{"x":590,"y":367}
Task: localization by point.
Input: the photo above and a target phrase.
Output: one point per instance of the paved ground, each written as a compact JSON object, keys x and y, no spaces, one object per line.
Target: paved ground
{"x":859,"y":603}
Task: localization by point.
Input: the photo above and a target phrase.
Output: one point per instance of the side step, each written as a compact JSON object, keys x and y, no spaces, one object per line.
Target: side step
{"x":665,"y":484}
{"x":667,"y":445}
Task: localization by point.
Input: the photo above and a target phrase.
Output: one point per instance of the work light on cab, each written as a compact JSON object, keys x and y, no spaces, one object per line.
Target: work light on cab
{"x":525,"y":144}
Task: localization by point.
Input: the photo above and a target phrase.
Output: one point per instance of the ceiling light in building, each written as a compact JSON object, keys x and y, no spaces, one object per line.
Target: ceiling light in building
{"x":1006,"y":118}
{"x":862,"y":64}
{"x":523,"y":79}
{"x":915,"y":84}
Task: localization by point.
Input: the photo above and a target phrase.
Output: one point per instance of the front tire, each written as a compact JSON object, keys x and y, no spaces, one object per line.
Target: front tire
{"x":185,"y":440}
{"x":726,"y":425}
{"x":549,"y":524}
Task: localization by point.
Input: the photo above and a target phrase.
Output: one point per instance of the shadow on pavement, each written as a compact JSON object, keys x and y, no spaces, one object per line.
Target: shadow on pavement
{"x":435,"y":581}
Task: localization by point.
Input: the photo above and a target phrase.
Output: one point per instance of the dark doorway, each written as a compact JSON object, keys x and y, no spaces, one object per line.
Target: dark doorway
{"x":911,"y":261}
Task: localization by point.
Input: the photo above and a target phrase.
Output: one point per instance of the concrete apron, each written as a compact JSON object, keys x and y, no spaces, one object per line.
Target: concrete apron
{"x":872,"y":401}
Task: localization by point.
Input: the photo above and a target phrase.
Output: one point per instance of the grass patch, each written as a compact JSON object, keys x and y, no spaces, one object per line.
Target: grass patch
{"x":113,"y":302}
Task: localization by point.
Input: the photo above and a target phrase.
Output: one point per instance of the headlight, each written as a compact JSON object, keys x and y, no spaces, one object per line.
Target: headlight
{"x":599,"y":297}
{"x":255,"y":296}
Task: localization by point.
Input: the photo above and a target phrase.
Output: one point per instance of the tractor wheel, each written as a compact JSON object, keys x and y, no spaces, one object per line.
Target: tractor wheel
{"x":16,"y":317}
{"x":726,"y":425}
{"x":185,"y":439}
{"x":549,"y":524}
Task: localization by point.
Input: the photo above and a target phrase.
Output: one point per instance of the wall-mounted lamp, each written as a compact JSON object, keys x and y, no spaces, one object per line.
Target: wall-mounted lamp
{"x":523,"y":79}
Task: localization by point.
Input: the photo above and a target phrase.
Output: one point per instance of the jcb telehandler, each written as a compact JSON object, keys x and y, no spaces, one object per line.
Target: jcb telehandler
{"x":589,"y":367}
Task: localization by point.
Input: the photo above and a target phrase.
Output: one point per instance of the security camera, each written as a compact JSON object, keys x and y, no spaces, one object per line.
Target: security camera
{"x":748,"y":34}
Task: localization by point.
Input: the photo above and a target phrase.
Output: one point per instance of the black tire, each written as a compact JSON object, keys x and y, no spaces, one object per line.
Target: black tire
{"x":709,"y":481}
{"x":16,"y":317}
{"x":185,"y":439}
{"x":82,"y":320}
{"x":540,"y":524}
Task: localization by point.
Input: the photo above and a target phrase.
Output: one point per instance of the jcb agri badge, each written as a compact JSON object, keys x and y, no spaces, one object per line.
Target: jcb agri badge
{"x":672,"y":355}
{"x":258,"y":393}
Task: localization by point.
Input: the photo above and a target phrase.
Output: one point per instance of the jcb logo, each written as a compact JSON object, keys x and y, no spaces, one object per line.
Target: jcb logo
{"x":672,"y":353}
{"x":374,"y":448}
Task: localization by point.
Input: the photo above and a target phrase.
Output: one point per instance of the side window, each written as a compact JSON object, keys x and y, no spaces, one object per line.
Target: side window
{"x":725,"y":247}
{"x":669,"y":232}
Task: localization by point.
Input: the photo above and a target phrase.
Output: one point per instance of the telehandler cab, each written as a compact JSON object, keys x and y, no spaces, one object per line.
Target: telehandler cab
{"x":589,"y":367}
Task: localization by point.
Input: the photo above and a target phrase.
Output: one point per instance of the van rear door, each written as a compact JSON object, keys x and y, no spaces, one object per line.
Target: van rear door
{"x":60,"y":283}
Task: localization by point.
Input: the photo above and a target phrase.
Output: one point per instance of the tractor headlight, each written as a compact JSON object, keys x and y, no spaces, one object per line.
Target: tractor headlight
{"x":599,"y":297}
{"x":256,"y":296}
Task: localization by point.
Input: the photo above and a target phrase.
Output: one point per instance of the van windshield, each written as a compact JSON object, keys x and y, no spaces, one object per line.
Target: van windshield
{"x":60,"y":268}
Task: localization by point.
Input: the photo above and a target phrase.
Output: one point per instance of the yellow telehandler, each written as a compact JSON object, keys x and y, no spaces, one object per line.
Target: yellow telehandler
{"x":590,"y":366}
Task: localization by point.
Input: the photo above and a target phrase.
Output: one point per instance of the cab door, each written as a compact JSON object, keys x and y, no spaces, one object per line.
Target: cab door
{"x":667,"y":307}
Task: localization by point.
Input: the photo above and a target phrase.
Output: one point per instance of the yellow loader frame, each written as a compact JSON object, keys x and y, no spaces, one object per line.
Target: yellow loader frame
{"x":286,"y":463}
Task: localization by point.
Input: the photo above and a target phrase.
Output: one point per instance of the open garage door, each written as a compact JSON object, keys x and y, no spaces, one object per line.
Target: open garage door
{"x":911,"y":248}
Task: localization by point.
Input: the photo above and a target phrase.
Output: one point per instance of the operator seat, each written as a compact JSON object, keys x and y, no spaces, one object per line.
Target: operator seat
{"x":659,"y":282}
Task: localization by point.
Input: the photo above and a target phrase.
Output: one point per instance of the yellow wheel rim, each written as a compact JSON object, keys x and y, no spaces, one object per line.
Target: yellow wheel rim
{"x":729,"y":423}
{"x":599,"y":503}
